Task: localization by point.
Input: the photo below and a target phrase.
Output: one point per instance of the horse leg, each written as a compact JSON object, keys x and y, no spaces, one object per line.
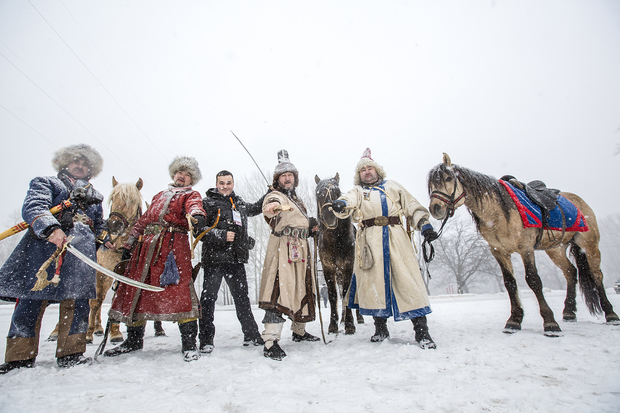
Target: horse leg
{"x":588,"y":258}
{"x":516,"y":310}
{"x":159,"y":330}
{"x":347,"y":316}
{"x":359,"y":317}
{"x":332,"y":294}
{"x":550,"y":326}
{"x":558,"y":256}
{"x":115,"y":333}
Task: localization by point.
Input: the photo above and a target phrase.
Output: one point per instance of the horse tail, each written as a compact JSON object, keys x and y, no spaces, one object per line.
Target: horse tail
{"x":587,"y":285}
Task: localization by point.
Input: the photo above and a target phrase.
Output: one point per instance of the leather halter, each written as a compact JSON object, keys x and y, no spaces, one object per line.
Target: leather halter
{"x":126,"y":222}
{"x":450,"y":200}
{"x":330,"y":203}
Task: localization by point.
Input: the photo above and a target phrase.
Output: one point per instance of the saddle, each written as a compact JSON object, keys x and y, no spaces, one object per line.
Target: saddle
{"x":543,"y":197}
{"x":537,"y":191}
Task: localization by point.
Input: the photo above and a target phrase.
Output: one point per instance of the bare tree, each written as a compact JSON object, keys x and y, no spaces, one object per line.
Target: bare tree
{"x":7,"y":245}
{"x":610,"y":248}
{"x":463,"y":257}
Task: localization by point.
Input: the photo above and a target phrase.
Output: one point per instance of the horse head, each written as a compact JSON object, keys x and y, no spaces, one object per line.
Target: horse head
{"x":445,"y":189}
{"x":327,"y":191}
{"x":125,"y":203}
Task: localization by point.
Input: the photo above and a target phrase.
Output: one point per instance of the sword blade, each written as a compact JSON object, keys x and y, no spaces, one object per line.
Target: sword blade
{"x":253,"y":160}
{"x":104,"y":270}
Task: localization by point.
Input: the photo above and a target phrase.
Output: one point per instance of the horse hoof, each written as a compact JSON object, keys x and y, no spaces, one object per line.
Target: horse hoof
{"x":510,"y":330}
{"x":116,"y":339}
{"x":360,"y":320}
{"x":52,"y":338}
{"x":161,"y":333}
{"x":552,"y":330}
{"x":553,"y":334}
{"x":333,"y":329}
{"x":98,"y":332}
{"x":89,"y":340}
{"x":349,"y":331}
{"x":569,"y":319}
{"x":613,"y":322}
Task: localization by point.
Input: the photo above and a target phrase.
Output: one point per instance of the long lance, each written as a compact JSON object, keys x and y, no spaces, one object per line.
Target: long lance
{"x":23,"y":225}
{"x":253,"y":160}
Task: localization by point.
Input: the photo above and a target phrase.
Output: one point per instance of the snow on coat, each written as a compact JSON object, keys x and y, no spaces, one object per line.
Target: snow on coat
{"x":77,"y":280}
{"x":288,"y":286}
{"x":178,"y":301}
{"x":393,"y":286}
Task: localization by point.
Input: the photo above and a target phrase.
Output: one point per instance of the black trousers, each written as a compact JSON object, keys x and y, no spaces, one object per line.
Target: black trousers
{"x":237,"y":281}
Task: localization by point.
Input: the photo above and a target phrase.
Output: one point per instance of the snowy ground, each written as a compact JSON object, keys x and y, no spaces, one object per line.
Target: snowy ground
{"x":476,"y":368}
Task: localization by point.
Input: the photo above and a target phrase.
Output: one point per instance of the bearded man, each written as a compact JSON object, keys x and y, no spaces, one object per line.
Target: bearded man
{"x":161,"y":256}
{"x":287,"y":282}
{"x":386,"y":280}
{"x":83,"y":222}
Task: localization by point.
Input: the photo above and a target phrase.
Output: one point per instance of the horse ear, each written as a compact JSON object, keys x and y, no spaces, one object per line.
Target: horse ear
{"x":317,"y":179}
{"x":139,"y":184}
{"x":114,"y":182}
{"x":147,"y":205}
{"x":337,"y":178}
{"x":446,"y":159}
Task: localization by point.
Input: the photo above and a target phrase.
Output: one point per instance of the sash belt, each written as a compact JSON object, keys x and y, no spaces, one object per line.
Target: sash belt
{"x":292,"y":232}
{"x":381,"y":221}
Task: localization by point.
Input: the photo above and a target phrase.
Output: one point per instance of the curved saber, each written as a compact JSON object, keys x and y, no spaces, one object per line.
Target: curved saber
{"x":112,"y":274}
{"x":246,"y":149}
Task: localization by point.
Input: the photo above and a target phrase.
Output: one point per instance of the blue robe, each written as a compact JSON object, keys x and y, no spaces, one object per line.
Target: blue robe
{"x":77,"y":280}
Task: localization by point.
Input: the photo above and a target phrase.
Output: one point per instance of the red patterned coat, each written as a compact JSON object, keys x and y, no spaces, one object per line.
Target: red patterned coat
{"x":163,"y":228}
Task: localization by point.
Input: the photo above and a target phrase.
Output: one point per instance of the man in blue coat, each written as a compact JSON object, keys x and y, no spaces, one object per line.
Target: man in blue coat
{"x":83,"y":221}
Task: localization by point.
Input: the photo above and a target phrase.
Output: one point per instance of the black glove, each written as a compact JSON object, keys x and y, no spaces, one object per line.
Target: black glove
{"x":126,"y":254}
{"x":199,"y":226}
{"x":339,"y":205}
{"x":429,"y":233}
{"x":86,"y":196}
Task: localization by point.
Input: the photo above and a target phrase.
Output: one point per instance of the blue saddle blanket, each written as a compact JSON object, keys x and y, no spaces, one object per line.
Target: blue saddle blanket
{"x":531,"y":214}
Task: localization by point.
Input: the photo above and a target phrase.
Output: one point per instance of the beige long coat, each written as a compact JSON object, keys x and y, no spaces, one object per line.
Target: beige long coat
{"x":393,"y":286}
{"x":287,"y":286}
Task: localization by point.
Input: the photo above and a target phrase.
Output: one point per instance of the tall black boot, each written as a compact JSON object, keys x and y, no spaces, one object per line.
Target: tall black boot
{"x":134,"y":341}
{"x":381,"y":330}
{"x":189,"y":331}
{"x":420,"y":327}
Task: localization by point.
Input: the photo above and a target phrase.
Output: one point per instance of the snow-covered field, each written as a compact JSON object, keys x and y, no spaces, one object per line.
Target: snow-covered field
{"x":476,"y":368}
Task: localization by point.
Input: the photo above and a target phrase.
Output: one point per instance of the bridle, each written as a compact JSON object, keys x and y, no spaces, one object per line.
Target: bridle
{"x":327,"y":204}
{"x":451,"y":202}
{"x":126,"y":222}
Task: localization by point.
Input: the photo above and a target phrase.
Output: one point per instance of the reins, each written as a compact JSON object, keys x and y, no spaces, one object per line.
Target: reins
{"x":327,"y":204}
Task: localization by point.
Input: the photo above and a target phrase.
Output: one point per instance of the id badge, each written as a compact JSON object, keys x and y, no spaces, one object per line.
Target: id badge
{"x":237,"y":217}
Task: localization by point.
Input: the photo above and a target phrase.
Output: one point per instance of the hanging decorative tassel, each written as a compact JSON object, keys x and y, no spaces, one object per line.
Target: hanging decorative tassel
{"x":171,"y":272}
{"x":42,"y":280}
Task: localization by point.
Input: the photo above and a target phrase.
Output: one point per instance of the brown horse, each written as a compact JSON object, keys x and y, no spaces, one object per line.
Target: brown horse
{"x":336,"y":245}
{"x":499,"y":222}
{"x":125,"y":203}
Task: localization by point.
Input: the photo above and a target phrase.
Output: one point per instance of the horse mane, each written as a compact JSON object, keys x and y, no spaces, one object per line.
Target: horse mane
{"x":479,"y":187}
{"x":126,"y":195}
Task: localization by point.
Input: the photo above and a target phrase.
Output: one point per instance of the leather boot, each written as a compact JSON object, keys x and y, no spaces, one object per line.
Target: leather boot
{"x":134,"y":341}
{"x":381,"y":330}
{"x":189,"y":331}
{"x":73,"y":360}
{"x":271,"y":336}
{"x":420,"y":327}
{"x":300,"y":333}
{"x":18,"y":364}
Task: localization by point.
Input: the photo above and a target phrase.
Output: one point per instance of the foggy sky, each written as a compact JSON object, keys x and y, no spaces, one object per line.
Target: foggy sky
{"x":528,"y":88}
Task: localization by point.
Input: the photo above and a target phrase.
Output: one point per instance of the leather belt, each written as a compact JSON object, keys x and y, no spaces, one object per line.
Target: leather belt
{"x":292,"y":232}
{"x":152,"y":229}
{"x":381,"y":221}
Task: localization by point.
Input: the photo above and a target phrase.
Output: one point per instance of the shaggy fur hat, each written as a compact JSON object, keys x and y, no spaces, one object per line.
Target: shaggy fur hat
{"x":185,"y":164}
{"x":284,"y":165}
{"x":365,"y":161}
{"x":65,"y":156}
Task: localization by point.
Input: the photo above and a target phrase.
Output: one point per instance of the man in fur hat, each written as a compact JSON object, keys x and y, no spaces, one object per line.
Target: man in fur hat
{"x":83,"y":221}
{"x":387,"y":280}
{"x":161,"y":256}
{"x":287,"y":283}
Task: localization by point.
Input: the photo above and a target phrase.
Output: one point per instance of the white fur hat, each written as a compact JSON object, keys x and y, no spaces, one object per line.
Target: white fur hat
{"x":185,"y":164}
{"x":71,"y":153}
{"x":366,"y":160}
{"x":284,"y":165}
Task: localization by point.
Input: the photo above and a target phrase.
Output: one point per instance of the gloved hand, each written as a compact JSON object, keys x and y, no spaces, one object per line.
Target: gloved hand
{"x":429,"y":233}
{"x":339,"y":205}
{"x":86,"y":196}
{"x":126,"y":254}
{"x":199,"y":226}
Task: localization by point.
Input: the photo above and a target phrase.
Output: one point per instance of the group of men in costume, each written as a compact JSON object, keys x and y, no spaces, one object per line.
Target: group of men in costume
{"x":386,"y":281}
